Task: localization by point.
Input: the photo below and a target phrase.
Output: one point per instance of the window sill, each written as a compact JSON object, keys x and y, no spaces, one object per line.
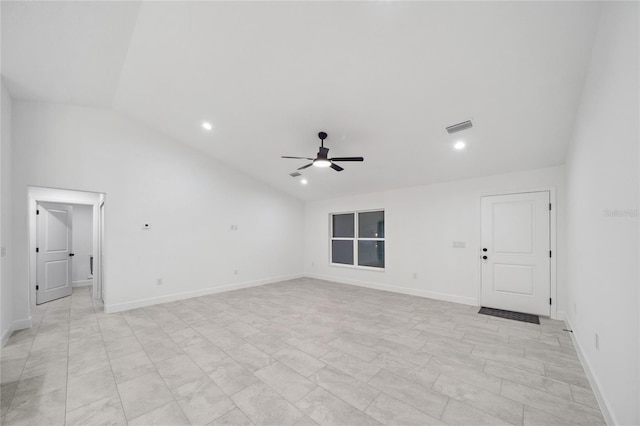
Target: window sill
{"x":365,"y":268}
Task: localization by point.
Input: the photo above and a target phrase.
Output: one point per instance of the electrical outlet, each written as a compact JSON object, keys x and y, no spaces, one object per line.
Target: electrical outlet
{"x":159,"y":281}
{"x":459,"y":244}
{"x":235,"y":272}
{"x":597,"y":342}
{"x":415,"y":275}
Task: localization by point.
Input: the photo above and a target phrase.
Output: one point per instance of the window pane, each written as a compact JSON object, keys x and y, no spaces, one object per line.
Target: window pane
{"x":371,"y":253}
{"x":371,"y":225}
{"x":343,"y":225}
{"x":342,"y":251}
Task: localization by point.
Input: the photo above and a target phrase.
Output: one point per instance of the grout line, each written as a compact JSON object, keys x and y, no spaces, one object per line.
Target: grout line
{"x":377,"y":313}
{"x":110,"y":366}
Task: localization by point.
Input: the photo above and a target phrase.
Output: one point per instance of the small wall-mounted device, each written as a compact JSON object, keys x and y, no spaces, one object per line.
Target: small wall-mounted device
{"x":146,"y":226}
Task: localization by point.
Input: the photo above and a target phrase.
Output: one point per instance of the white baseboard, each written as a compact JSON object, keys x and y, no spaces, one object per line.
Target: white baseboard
{"x":6,"y":335}
{"x":605,"y":407}
{"x":22,"y":324}
{"x":15,"y":326}
{"x":402,"y":290}
{"x":140,"y":303}
{"x":81,"y":283}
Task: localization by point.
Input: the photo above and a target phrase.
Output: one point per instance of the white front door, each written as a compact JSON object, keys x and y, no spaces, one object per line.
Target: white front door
{"x":54,"y":252}
{"x":516,"y":264}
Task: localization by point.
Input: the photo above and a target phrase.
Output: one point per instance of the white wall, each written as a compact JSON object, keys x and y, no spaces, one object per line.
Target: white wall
{"x":82,"y":244}
{"x":6,"y":293}
{"x":190,"y":200}
{"x":602,"y":175}
{"x":420,"y":224}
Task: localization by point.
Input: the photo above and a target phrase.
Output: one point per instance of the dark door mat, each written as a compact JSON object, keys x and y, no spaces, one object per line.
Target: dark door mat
{"x":518,"y":316}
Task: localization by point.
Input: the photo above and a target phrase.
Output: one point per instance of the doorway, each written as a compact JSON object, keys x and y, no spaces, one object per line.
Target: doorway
{"x":516,"y":252}
{"x":55,"y":264}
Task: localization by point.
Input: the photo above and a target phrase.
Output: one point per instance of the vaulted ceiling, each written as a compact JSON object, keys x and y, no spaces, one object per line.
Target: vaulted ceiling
{"x":383,"y":79}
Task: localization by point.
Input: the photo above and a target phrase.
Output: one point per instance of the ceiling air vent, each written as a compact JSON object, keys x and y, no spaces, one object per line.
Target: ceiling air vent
{"x":460,"y":127}
{"x":294,"y":174}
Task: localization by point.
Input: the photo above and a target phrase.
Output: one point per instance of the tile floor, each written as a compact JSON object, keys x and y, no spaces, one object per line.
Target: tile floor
{"x":301,"y":352}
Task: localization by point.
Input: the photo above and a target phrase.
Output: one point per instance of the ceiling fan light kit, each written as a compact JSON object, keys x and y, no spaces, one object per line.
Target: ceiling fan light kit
{"x":321,"y":162}
{"x":322,"y":159}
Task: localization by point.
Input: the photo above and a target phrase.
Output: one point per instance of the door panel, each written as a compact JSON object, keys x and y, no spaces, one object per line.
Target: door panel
{"x":56,"y":274}
{"x":516,"y":274}
{"x":54,"y":256}
{"x":517,"y":279}
{"x":513,"y":227}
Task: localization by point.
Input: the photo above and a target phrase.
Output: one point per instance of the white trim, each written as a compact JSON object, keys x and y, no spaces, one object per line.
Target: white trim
{"x":36,"y":194}
{"x":6,"y":335}
{"x":82,"y":283}
{"x":553,"y":241}
{"x":402,"y":290}
{"x":366,"y":268}
{"x":118,"y":307}
{"x":15,"y":326}
{"x":355,"y":239}
{"x":605,"y":407}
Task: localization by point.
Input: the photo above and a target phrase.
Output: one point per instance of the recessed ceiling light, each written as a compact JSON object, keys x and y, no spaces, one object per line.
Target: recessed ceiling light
{"x":304,"y":181}
{"x":459,"y":145}
{"x":207,"y":126}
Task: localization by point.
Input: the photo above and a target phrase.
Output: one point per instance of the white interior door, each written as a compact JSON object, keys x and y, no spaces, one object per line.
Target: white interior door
{"x":516,"y":264}
{"x":54,"y":253}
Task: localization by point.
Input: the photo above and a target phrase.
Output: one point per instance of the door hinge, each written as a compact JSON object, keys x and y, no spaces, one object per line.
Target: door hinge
{"x":37,"y":250}
{"x":550,"y":300}
{"x":37,"y":211}
{"x":549,"y":253}
{"x":37,"y":287}
{"x":549,"y":206}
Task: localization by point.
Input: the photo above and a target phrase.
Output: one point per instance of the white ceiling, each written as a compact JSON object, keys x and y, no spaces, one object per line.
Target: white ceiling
{"x":383,"y":79}
{"x":69,"y":52}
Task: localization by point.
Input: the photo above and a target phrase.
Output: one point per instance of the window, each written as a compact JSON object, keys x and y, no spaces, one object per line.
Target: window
{"x":357,"y":239}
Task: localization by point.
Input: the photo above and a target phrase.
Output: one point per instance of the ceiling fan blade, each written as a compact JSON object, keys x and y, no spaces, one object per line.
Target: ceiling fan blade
{"x":336,"y":167}
{"x":298,"y":158}
{"x":304,"y":167}
{"x":347,"y":159}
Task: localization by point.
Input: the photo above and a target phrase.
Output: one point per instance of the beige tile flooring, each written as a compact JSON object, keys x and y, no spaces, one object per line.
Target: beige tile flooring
{"x":300,"y":352}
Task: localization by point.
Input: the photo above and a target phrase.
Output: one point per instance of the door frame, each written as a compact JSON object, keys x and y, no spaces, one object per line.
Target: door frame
{"x":36,"y":194}
{"x":553,"y":241}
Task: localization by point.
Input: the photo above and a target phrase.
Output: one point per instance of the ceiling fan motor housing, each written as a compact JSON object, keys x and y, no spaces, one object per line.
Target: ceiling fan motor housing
{"x":323,"y":152}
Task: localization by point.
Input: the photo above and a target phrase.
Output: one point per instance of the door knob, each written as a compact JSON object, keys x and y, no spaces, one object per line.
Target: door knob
{"x":71,"y":254}
{"x":484,"y":257}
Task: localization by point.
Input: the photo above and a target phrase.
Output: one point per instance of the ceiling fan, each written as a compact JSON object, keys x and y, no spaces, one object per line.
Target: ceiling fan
{"x":322,"y":160}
